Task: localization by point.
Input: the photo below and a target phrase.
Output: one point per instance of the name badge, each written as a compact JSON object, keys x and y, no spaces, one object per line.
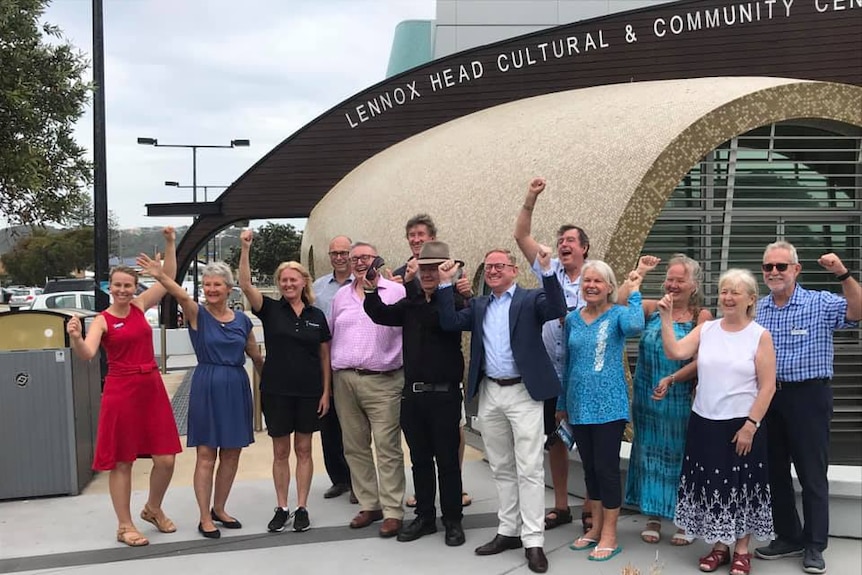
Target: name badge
{"x":798,"y":331}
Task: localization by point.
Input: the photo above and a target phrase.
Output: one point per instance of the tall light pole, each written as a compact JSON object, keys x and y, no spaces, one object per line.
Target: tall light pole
{"x":173,"y":184}
{"x":194,"y":147}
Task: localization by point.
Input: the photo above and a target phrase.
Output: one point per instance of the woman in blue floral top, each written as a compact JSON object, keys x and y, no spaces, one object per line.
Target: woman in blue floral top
{"x":595,"y":399}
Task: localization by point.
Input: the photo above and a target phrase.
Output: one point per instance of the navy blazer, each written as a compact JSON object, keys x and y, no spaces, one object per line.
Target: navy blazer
{"x":529,"y":311}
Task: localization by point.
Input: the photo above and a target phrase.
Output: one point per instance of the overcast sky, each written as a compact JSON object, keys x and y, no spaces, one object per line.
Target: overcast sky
{"x":209,"y":71}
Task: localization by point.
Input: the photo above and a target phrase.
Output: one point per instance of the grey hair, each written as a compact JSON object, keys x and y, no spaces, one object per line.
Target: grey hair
{"x":607,"y":274}
{"x":737,"y":277}
{"x":782,"y":245}
{"x":696,"y":274}
{"x":355,"y":245}
{"x":219,"y":269}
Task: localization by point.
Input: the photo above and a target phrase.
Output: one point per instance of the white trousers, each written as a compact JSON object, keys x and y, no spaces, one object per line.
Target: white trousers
{"x":513,"y":431}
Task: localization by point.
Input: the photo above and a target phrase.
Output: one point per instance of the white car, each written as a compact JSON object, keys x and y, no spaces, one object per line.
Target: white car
{"x":65,"y":300}
{"x":23,"y":297}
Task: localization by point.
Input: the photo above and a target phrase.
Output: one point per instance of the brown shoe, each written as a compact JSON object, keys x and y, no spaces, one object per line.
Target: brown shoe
{"x":390,"y":527}
{"x":366,"y":518}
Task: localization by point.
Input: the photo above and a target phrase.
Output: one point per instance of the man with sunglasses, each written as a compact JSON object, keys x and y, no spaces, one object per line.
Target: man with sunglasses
{"x":325,"y":288}
{"x":573,"y":248}
{"x":513,"y":375}
{"x":802,"y":323}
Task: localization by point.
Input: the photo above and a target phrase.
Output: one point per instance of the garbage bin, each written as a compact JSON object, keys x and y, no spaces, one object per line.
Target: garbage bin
{"x":49,"y":405}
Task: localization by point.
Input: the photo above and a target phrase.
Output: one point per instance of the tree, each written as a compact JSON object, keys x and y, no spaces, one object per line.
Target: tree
{"x":273,"y":244}
{"x":43,"y":171}
{"x":46,"y":254}
{"x":81,"y":214}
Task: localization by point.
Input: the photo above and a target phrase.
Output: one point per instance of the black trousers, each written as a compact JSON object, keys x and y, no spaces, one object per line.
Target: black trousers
{"x":599,"y":448}
{"x":798,"y":423}
{"x":431,"y":424}
{"x":333,"y":447}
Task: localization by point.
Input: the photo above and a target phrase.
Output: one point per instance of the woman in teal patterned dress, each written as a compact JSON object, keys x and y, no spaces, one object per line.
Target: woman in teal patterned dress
{"x":661,"y":400}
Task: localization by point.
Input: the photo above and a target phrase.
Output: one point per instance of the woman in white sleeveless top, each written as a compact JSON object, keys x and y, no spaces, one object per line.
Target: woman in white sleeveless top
{"x":724,"y":495}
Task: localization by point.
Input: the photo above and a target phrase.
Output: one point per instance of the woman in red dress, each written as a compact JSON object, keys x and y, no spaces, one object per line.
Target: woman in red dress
{"x":135,"y":419}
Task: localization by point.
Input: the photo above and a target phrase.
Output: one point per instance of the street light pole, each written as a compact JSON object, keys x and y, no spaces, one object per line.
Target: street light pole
{"x":242,"y":143}
{"x":194,"y":188}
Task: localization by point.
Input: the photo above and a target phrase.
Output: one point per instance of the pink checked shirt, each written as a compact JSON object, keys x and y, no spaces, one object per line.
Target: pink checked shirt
{"x":358,"y":342}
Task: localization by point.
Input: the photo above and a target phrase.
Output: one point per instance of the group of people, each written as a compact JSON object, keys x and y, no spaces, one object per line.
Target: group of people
{"x":719,"y":407}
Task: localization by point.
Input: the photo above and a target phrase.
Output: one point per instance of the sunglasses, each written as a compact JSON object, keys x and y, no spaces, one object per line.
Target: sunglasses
{"x":782,"y":267}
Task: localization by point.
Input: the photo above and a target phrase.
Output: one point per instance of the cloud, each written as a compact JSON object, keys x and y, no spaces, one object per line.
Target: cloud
{"x":208,"y":71}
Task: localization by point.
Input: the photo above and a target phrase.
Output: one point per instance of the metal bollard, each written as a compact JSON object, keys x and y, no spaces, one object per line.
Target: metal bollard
{"x":164,"y":339}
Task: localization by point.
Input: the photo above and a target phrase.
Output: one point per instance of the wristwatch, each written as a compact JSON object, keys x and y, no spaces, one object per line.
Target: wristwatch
{"x":756,"y":423}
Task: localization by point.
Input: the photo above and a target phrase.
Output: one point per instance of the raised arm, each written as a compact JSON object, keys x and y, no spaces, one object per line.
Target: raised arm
{"x":552,"y":305}
{"x":524,"y":223}
{"x":86,"y":348}
{"x":645,"y":265}
{"x":851,"y":288}
{"x":255,"y":298}
{"x":155,"y":270}
{"x":452,"y":319}
{"x":684,"y":348}
{"x":157,"y":291}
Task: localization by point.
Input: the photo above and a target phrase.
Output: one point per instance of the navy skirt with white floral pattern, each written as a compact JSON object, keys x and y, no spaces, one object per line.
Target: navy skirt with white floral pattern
{"x":723,"y":496}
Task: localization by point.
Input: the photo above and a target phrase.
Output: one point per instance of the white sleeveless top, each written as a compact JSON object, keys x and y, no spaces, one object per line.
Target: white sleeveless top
{"x":726,"y":375}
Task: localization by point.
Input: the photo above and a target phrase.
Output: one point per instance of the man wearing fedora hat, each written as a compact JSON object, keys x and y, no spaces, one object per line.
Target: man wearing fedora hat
{"x":513,"y":375}
{"x":431,"y":398}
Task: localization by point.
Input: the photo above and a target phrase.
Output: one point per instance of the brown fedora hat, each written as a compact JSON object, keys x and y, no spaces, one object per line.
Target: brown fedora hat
{"x":434,"y":253}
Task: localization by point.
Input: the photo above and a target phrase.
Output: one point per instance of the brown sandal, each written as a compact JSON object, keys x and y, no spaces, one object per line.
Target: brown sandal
{"x":715,"y":559}
{"x":556,"y":517}
{"x":741,"y":564}
{"x":160,"y":520}
{"x":131,"y":537}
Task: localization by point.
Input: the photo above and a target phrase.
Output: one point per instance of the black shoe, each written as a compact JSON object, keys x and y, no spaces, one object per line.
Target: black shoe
{"x":536,"y":560}
{"x":235,"y":524}
{"x":454,"y":533}
{"x":417,"y":528}
{"x":778,"y":549}
{"x":499,"y":544}
{"x":209,"y":534}
{"x":812,"y":561}
{"x":336,"y":490}
{"x":300,"y":520}
{"x":279,"y":520}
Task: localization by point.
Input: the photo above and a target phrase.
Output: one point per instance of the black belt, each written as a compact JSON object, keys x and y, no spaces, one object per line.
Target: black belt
{"x":505,"y":382}
{"x":779,"y":385}
{"x":371,"y":371}
{"x":422,"y":387}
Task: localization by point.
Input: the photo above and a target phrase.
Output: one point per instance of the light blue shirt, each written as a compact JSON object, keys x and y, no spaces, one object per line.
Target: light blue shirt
{"x":499,"y":359}
{"x":552,"y":331}
{"x":325,"y":288}
{"x":802,"y":332}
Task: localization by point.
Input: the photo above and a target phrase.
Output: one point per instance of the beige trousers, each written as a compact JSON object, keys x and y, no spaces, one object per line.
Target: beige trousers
{"x":369,"y":407}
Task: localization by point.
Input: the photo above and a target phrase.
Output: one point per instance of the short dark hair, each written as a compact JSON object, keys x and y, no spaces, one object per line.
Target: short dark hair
{"x":421,"y":220}
{"x":582,"y":236}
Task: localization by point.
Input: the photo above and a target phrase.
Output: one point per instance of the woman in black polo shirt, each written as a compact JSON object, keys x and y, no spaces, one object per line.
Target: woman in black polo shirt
{"x":295,"y":384}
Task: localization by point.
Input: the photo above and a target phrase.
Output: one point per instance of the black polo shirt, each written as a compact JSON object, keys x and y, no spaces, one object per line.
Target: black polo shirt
{"x":292,"y":365}
{"x":431,"y":355}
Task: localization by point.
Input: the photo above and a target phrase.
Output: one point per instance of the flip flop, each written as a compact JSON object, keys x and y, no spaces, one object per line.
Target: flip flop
{"x":590,"y":543}
{"x":614,"y":551}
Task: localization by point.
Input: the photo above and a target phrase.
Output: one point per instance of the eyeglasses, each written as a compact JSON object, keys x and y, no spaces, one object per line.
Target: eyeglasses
{"x":339,"y":254}
{"x":364,"y":258}
{"x":497,"y":267}
{"x":782,"y":267}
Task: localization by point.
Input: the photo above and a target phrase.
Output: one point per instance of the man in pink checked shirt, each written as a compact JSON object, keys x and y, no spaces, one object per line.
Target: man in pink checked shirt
{"x":367,"y":381}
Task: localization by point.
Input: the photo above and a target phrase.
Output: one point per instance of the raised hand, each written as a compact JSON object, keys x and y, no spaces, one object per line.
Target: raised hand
{"x":170,"y":233}
{"x":831,"y":262}
{"x":537,"y":186}
{"x":463,"y":287}
{"x":544,"y":257}
{"x":447,"y":271}
{"x":73,"y":327}
{"x":149,"y":266}
{"x":634,"y":280}
{"x":412,"y":269}
{"x":646,"y":264}
{"x":245,"y":238}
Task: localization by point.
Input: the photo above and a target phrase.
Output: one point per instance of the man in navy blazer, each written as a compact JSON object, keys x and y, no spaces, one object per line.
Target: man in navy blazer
{"x":513,"y":375}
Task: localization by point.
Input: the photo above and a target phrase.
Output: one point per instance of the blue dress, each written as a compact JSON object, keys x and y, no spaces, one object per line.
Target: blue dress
{"x":220,"y":404}
{"x":659,"y":426}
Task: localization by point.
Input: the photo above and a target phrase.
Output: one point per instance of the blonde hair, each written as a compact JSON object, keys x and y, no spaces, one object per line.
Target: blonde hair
{"x":607,"y":274}
{"x":695,"y":274}
{"x":123,"y":270}
{"x":307,"y":293}
{"x":737,"y":277}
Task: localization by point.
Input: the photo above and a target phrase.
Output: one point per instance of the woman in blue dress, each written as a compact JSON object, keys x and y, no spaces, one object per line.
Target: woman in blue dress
{"x":220,"y":402}
{"x":595,"y":398}
{"x":661,"y":399}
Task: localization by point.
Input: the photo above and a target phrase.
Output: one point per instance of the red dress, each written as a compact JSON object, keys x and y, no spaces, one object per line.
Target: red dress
{"x":136,"y":417}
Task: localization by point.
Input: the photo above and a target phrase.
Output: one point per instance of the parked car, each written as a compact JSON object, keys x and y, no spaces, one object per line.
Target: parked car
{"x":23,"y":297}
{"x":70,"y":284}
{"x":65,"y":300}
